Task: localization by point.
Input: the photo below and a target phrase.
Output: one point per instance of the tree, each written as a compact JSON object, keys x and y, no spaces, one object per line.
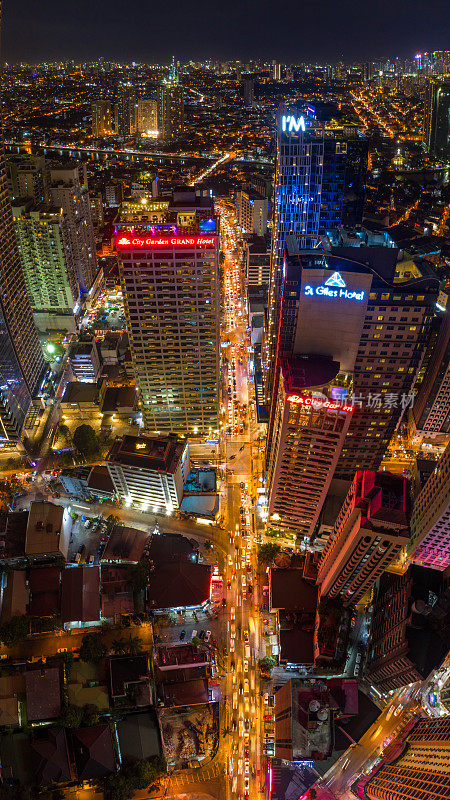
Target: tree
{"x":117,"y":787}
{"x":138,"y":574}
{"x":208,"y":544}
{"x":92,"y":648}
{"x":265,"y":664}
{"x":90,"y":714}
{"x":14,"y":631}
{"x":85,"y":440}
{"x":71,"y":717}
{"x":64,"y":432}
{"x":267,"y":552}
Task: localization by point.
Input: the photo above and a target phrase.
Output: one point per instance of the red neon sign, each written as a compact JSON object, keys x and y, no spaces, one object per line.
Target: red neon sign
{"x":165,"y":241}
{"x":317,"y":402}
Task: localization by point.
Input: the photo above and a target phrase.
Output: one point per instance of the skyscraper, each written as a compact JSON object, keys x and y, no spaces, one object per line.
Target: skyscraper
{"x":170,"y":110}
{"x":359,"y":313}
{"x":437,"y":118}
{"x":369,"y":533}
{"x":310,"y":183}
{"x":21,"y":358}
{"x":28,"y":176}
{"x":169,"y":275}
{"x":126,"y":111}
{"x":147,"y":117}
{"x":431,"y":410}
{"x":421,"y":770}
{"x":69,"y":191}
{"x":430,"y":519}
{"x":47,"y":259}
{"x":101,"y":118}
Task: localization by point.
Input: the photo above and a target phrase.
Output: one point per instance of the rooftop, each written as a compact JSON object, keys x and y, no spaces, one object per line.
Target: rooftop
{"x":178,"y":584}
{"x":79,"y":392}
{"x":80,"y":601}
{"x":138,"y":737}
{"x":43,"y":693}
{"x":160,"y":453}
{"x":50,"y":757}
{"x":125,"y":544}
{"x":45,"y":529}
{"x":100,"y":479}
{"x":177,"y":655}
{"x":308,"y":372}
{"x":290,"y":591}
{"x":94,"y":752}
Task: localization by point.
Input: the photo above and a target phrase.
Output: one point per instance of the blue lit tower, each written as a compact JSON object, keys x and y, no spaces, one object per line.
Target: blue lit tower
{"x":315,"y":163}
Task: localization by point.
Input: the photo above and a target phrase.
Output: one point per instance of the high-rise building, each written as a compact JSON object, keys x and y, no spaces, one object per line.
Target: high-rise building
{"x":69,"y":191}
{"x":431,"y":410}
{"x":147,"y":117}
{"x":310,"y":184}
{"x":437,"y":118}
{"x":102,"y":122}
{"x":126,"y":111}
{"x":28,"y":176}
{"x":407,"y":637}
{"x":251,"y":212}
{"x":248,"y":89}
{"x":21,"y":358}
{"x":169,"y":276}
{"x":170,"y":110}
{"x":47,"y":258}
{"x":308,"y":432}
{"x":149,"y":470}
{"x":369,"y":533}
{"x":352,"y":305}
{"x":422,"y":769}
{"x":430,"y":519}
{"x":276,"y":71}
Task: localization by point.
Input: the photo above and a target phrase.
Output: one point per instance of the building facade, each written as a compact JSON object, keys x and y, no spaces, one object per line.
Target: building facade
{"x":102,"y":120}
{"x":125,"y":111}
{"x":21,"y":358}
{"x":368,"y":535}
{"x":309,"y":190}
{"x":309,"y":429}
{"x":431,"y":411}
{"x":169,"y":275}
{"x":251,"y":212}
{"x":437,"y":118}
{"x":170,"y":111}
{"x":421,"y":771}
{"x":147,"y":117}
{"x":429,"y":545}
{"x":48,"y":262}
{"x":149,"y":472}
{"x":69,"y":191}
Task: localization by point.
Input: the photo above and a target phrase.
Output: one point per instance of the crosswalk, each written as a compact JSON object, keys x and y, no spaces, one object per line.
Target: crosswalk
{"x":193,"y":776}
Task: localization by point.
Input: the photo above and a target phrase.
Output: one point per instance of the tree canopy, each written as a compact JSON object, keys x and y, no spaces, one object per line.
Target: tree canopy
{"x":92,"y":648}
{"x":85,"y":440}
{"x":267,"y":552}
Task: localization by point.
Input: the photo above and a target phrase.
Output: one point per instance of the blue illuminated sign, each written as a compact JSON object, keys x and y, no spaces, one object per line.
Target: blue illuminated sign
{"x":291,"y":124}
{"x":339,"y":290}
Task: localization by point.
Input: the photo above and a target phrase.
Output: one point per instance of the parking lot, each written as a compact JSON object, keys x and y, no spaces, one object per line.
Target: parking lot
{"x":89,"y":537}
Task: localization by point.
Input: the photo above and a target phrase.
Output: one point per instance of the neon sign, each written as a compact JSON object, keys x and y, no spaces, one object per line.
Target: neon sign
{"x":325,"y":291}
{"x":291,"y":124}
{"x":166,"y":241}
{"x":336,"y":279}
{"x":317,"y":402}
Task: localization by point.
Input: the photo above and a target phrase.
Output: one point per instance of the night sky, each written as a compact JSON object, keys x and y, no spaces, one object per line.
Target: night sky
{"x":288,"y":30}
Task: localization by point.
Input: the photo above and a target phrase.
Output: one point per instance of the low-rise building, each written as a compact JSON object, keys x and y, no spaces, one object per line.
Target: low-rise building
{"x":84,"y":359}
{"x":149,"y":471}
{"x":48,"y":531}
{"x":79,"y":398}
{"x":125,"y":545}
{"x":43,"y":693}
{"x":80,"y":596}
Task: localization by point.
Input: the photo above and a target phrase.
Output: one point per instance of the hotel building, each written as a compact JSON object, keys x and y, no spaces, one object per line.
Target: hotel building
{"x":170,"y":285}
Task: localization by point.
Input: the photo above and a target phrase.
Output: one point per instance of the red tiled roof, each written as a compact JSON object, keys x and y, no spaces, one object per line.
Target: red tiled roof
{"x":80,"y":594}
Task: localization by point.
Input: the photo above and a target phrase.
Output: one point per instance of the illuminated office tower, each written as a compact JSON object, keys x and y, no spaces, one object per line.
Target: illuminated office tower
{"x":47,"y":259}
{"x":69,"y":191}
{"x":147,"y":117}
{"x":314,"y":164}
{"x":125,"y":111}
{"x":430,"y":519}
{"x":169,"y":276}
{"x":368,"y":535}
{"x":276,"y":71}
{"x":170,"y":110}
{"x":421,"y":769}
{"x":28,"y":176}
{"x":101,"y":118}
{"x":436,"y":132}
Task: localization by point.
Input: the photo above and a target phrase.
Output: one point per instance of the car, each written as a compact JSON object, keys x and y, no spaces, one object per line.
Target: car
{"x":245,"y":663}
{"x":232,"y":612}
{"x":182,"y":635}
{"x":246,"y":636}
{"x":62,"y":650}
{"x":194,"y":634}
{"x":91,"y":559}
{"x":232,"y":646}
{"x":246,"y":686}
{"x":207,"y":636}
